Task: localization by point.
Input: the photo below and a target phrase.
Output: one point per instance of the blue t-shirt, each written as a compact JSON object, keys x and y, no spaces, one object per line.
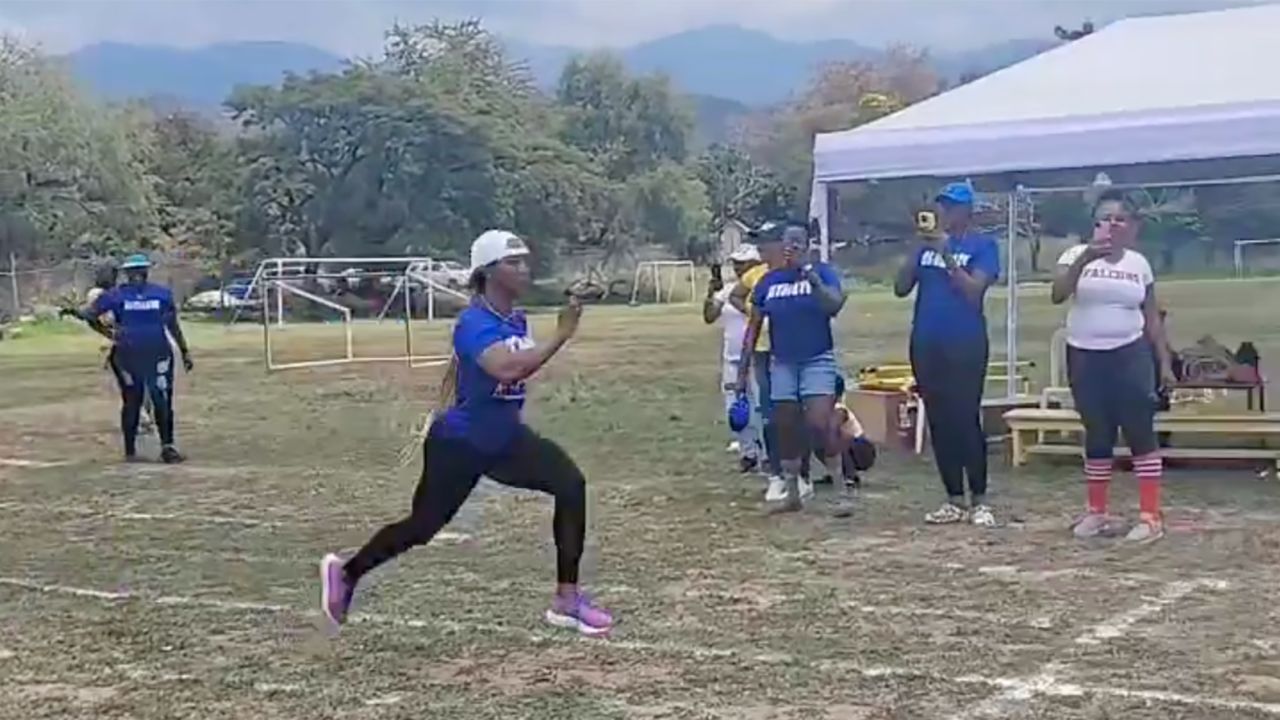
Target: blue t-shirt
{"x":486,"y":412}
{"x":799,"y":329}
{"x":942,"y":311}
{"x":141,"y":315}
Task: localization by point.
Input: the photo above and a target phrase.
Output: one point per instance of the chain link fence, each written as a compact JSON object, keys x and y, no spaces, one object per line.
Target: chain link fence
{"x":29,"y":289}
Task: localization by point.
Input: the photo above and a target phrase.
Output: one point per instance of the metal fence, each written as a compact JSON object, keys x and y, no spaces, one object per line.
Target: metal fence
{"x":27,"y":289}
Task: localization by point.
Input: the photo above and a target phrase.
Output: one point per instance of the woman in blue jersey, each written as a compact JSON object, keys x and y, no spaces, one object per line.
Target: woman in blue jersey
{"x":482,"y":433}
{"x":800,"y":298}
{"x":144,"y":317}
{"x":950,"y":273}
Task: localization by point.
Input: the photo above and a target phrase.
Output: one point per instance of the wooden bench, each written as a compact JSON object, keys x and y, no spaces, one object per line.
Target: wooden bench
{"x":1028,"y":424}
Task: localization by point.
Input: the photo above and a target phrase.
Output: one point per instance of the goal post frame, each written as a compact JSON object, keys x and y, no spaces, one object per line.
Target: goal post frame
{"x":1237,"y":252}
{"x":276,"y":276}
{"x":655,"y":266}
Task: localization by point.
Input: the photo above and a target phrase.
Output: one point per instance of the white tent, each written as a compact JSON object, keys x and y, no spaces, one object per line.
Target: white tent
{"x":1199,"y":86}
{"x":1157,"y":89}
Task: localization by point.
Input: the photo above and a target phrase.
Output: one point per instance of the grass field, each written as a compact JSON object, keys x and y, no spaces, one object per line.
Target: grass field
{"x":166,"y":592}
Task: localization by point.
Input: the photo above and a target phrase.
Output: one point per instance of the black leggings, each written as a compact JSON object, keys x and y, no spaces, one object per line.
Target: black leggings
{"x":951,"y":377}
{"x":450,"y":471}
{"x":1115,"y":391}
{"x":137,"y":379}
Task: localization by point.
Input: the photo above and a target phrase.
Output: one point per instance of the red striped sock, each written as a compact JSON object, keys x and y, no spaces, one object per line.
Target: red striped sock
{"x":1149,"y":468}
{"x":1097,"y":478}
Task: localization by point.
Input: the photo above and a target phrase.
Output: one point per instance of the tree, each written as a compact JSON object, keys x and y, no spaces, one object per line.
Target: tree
{"x":842,"y":95}
{"x":629,"y":125}
{"x":70,"y":177}
{"x":198,"y":182}
{"x":740,"y":189}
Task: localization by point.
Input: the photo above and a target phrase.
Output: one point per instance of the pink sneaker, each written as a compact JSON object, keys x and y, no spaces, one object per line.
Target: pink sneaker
{"x":335,"y":589}
{"x":577,"y":612}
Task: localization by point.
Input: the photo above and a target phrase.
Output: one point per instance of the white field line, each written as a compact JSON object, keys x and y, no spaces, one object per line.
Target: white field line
{"x":1118,"y":625}
{"x":38,"y":464}
{"x":141,"y":517}
{"x":1013,"y":690}
{"x":1045,"y":682}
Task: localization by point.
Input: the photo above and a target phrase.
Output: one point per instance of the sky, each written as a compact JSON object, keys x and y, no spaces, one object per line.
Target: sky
{"x":355,"y":27}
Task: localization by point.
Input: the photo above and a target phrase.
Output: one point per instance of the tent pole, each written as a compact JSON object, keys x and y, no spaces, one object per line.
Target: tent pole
{"x":1011,"y":301}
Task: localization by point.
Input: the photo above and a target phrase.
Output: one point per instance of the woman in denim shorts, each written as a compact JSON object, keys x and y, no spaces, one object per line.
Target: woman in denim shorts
{"x":800,"y":298}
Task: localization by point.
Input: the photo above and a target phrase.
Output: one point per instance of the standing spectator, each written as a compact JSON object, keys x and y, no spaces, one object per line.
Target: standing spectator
{"x":770,"y":253}
{"x":1113,"y":329}
{"x":800,"y":299}
{"x":734,"y":324}
{"x":950,"y":272}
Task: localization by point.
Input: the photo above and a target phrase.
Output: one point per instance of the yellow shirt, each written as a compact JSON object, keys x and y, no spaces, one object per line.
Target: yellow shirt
{"x":749,"y":280}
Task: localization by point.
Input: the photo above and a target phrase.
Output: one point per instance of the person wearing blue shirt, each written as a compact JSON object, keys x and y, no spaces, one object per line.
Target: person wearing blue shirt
{"x":481,"y":432}
{"x":144,"y":317}
{"x":800,"y":298}
{"x":950,"y":272}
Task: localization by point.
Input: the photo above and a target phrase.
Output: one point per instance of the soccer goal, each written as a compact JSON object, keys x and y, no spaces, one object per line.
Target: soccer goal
{"x":660,"y":279}
{"x":1264,"y":257}
{"x":337,"y":311}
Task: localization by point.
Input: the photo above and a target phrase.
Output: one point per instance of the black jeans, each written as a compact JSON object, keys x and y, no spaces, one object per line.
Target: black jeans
{"x":450,"y":470}
{"x":140,"y":376}
{"x":1114,"y":391}
{"x":951,"y":377}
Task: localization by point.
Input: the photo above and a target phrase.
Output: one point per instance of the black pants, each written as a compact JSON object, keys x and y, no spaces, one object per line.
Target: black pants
{"x":951,"y":377}
{"x":450,"y":470}
{"x":1114,"y":391}
{"x":138,"y":377}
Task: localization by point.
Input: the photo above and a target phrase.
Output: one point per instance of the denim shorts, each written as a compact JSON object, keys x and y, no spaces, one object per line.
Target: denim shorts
{"x":795,"y":381}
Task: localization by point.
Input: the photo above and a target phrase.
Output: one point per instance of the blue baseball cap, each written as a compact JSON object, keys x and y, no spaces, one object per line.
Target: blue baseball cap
{"x":137,"y":261}
{"x":957,"y":193}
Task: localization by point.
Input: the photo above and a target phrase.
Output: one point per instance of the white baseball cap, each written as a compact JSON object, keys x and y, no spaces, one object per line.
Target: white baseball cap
{"x":495,"y":245}
{"x":745,"y":252}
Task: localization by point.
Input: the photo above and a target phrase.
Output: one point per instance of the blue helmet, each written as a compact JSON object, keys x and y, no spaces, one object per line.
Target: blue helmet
{"x":137,"y":261}
{"x":740,"y":413}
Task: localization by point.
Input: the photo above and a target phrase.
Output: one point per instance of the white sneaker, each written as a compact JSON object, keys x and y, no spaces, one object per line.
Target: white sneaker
{"x":983,"y":517}
{"x":777,"y":490}
{"x":946,"y":515}
{"x":805,"y":486}
{"x":734,"y":448}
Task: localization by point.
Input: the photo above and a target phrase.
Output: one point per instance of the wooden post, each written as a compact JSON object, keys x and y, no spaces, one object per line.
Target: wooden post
{"x":13,"y":284}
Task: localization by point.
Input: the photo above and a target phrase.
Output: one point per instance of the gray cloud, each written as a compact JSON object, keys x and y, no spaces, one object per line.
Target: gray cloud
{"x":356,"y":26}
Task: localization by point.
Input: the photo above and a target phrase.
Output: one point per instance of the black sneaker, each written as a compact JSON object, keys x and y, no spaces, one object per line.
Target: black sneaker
{"x":748,"y":465}
{"x":170,"y":455}
{"x":824,"y":480}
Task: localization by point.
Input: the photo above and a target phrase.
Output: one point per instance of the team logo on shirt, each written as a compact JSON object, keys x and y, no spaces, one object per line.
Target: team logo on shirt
{"x":1096,"y":271}
{"x":514,"y":390}
{"x":151,"y":304}
{"x":933,"y":258}
{"x":786,"y":290}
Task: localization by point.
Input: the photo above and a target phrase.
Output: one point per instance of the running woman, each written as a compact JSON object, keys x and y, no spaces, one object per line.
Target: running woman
{"x":950,"y":273}
{"x":734,"y":324}
{"x":144,"y":317}
{"x":482,"y":433}
{"x":800,"y":299}
{"x":1113,"y":329}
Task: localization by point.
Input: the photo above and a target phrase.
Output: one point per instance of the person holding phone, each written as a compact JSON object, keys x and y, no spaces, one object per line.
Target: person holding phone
{"x":950,"y":270}
{"x":800,"y":298}
{"x":482,"y":433}
{"x":746,"y":442}
{"x":1114,"y":328}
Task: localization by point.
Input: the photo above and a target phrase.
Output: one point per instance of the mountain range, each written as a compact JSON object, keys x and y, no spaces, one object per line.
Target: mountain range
{"x":727,"y":69}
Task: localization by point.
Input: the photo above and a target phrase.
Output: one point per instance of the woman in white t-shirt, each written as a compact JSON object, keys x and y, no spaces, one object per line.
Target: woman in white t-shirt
{"x":1113,"y":330}
{"x":746,"y":442}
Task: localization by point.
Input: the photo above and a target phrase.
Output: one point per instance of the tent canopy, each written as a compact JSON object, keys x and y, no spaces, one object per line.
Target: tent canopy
{"x":1145,"y":90}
